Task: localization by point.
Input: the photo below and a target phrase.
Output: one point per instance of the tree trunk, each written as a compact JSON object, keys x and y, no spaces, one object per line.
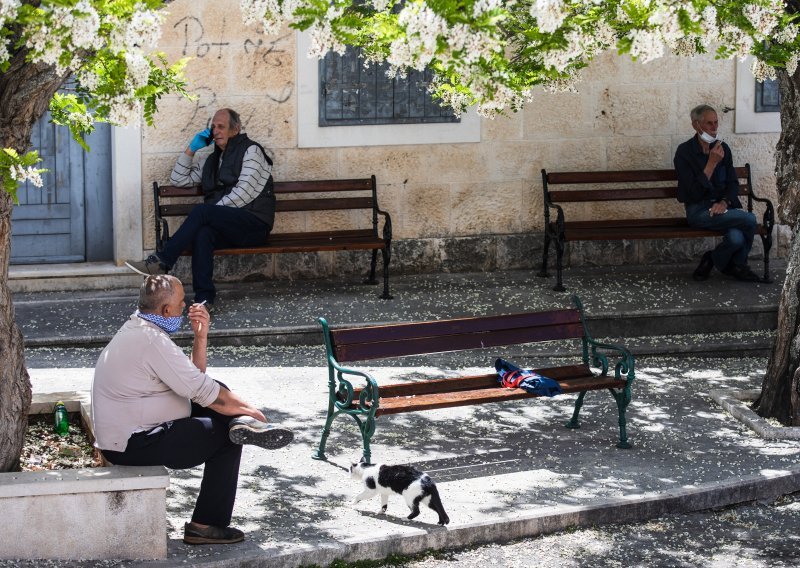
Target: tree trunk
{"x":779,"y":395}
{"x":25,"y":91}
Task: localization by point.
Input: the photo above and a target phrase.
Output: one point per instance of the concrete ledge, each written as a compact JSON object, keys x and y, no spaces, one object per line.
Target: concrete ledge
{"x":768,"y":485}
{"x":732,"y":401}
{"x":93,"y":514}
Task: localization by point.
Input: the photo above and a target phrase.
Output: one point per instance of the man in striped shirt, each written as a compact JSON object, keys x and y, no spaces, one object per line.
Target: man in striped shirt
{"x":238,"y":208}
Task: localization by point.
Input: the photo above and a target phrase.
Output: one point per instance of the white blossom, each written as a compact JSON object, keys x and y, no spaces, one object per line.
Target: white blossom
{"x":124,"y":111}
{"x":647,"y":45}
{"x":786,"y":35}
{"x":761,"y":71}
{"x":549,"y":14}
{"x":85,"y":28}
{"x":740,"y":42}
{"x":791,"y":64}
{"x":764,"y":19}
{"x":138,"y":68}
{"x":483,"y":6}
{"x":144,"y":28}
{"x":21,"y":174}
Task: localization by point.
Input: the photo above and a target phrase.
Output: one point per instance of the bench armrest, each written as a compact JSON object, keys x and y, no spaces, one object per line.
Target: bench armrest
{"x":593,"y":350}
{"x":387,"y":224}
{"x":341,"y":389}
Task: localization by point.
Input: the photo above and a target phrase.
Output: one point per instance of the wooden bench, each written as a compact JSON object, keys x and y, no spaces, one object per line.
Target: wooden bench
{"x":365,"y":403}
{"x":628,"y":186}
{"x":309,"y":196}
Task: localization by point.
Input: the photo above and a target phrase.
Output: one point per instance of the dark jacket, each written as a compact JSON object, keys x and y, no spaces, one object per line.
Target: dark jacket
{"x":694,"y":186}
{"x":218,"y":182}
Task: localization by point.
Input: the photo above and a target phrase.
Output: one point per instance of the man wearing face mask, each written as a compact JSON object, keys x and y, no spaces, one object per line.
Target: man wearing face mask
{"x":238,"y":208}
{"x":153,"y":405}
{"x":709,"y":189}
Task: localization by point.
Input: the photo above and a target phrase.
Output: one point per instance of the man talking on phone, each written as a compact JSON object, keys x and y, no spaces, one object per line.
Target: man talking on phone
{"x":709,"y":189}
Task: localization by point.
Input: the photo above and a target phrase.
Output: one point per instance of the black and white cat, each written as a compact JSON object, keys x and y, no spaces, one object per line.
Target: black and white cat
{"x":413,"y":485}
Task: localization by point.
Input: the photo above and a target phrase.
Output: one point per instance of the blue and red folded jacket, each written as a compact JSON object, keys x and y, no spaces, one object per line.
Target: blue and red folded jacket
{"x":510,"y":376}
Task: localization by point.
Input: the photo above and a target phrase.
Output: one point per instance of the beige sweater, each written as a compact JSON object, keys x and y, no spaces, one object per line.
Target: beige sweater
{"x":141,"y":380}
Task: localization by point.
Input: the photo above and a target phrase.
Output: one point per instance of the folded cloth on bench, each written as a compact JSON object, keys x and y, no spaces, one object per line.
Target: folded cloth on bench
{"x":510,"y":376}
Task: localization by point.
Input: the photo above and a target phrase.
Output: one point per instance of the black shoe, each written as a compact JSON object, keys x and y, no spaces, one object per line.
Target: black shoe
{"x":742,"y":272}
{"x":704,"y":268}
{"x":150,"y":266}
{"x":247,"y":430}
{"x":192,"y":534}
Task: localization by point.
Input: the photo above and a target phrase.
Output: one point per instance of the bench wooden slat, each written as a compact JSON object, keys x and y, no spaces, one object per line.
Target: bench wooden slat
{"x":429,"y":386}
{"x":623,"y":176}
{"x":413,"y":330}
{"x":640,"y":233}
{"x":323,"y":204}
{"x":433,"y":401}
{"x":619,"y":194}
{"x":628,"y":223}
{"x":312,"y":186}
{"x":443,"y":343}
{"x":183,"y":209}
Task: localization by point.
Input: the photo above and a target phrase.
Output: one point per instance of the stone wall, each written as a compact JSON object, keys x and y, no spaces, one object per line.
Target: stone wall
{"x":454,"y":206}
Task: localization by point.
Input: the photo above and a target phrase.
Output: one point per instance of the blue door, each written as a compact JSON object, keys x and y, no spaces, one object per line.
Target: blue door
{"x":68,"y":219}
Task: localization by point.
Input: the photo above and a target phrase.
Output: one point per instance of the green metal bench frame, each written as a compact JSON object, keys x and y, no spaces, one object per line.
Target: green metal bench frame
{"x":364,"y":404}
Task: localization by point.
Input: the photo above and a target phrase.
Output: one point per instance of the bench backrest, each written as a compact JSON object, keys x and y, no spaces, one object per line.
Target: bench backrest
{"x":616,"y":185}
{"x":395,"y":340}
{"x":333,"y":194}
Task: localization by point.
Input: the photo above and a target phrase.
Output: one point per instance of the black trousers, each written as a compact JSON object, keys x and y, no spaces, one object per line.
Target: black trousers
{"x":188,"y":442}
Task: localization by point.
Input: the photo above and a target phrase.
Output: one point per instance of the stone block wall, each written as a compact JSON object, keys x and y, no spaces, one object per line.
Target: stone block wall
{"x":469,"y":206}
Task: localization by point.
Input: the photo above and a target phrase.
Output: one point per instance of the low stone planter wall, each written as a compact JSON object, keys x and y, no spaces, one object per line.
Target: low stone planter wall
{"x":99,"y":513}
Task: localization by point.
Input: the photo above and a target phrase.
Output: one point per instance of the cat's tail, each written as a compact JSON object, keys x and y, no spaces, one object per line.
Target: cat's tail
{"x":436,"y":504}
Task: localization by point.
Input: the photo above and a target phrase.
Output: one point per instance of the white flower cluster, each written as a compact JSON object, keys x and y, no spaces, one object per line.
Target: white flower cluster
{"x":502,"y":98}
{"x":483,"y":6}
{"x":787,"y":35}
{"x":138,"y":68}
{"x":761,"y":71}
{"x":565,"y":84}
{"x":686,"y":46}
{"x":647,"y":45}
{"x":763,"y":18}
{"x":124,"y":111}
{"x":144,"y":28}
{"x":64,"y":31}
{"x":8,"y":9}
{"x":323,"y":39}
{"x":791,"y":65}
{"x":417,"y":47}
{"x":83,"y":120}
{"x":21,"y":174}
{"x":738,"y":40}
{"x":708,"y":23}
{"x":271,"y":13}
{"x":549,"y":14}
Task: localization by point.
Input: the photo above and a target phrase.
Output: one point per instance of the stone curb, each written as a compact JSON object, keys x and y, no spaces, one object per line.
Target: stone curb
{"x":732,"y":401}
{"x":553,"y":519}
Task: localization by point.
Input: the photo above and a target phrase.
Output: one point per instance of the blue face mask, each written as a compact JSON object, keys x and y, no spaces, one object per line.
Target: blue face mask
{"x":170,"y":325}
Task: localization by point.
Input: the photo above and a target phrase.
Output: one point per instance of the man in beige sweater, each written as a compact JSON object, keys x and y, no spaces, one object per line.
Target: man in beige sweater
{"x":153,"y":405}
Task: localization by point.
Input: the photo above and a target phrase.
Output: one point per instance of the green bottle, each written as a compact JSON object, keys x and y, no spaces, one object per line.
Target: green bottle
{"x":60,"y":419}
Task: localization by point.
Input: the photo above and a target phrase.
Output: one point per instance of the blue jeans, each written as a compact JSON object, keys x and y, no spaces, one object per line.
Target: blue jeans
{"x":738,"y":225}
{"x":210,"y":227}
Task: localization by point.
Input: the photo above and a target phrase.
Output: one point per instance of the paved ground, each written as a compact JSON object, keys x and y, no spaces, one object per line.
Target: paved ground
{"x":504,"y":470}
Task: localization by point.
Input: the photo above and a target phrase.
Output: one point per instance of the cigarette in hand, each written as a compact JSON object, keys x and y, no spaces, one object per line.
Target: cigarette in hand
{"x":200,"y":324}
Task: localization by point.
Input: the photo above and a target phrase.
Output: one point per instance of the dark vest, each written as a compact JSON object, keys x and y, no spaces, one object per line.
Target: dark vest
{"x":217,"y":182}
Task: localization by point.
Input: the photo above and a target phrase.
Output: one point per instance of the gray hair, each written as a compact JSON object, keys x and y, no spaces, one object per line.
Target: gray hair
{"x":156,"y":291}
{"x":234,"y":120}
{"x":698,"y":111}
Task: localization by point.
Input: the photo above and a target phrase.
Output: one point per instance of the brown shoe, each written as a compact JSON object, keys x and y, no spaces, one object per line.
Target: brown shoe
{"x":192,"y":534}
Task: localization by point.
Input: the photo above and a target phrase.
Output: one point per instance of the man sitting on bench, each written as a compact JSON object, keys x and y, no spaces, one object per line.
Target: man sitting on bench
{"x":239,"y":207}
{"x":709,"y":188}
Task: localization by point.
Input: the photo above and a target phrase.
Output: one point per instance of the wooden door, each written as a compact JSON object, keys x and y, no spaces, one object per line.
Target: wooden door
{"x":68,"y":219}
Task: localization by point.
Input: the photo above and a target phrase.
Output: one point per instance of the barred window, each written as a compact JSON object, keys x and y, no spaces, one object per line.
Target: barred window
{"x":350,"y":94}
{"x":768,"y":96}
